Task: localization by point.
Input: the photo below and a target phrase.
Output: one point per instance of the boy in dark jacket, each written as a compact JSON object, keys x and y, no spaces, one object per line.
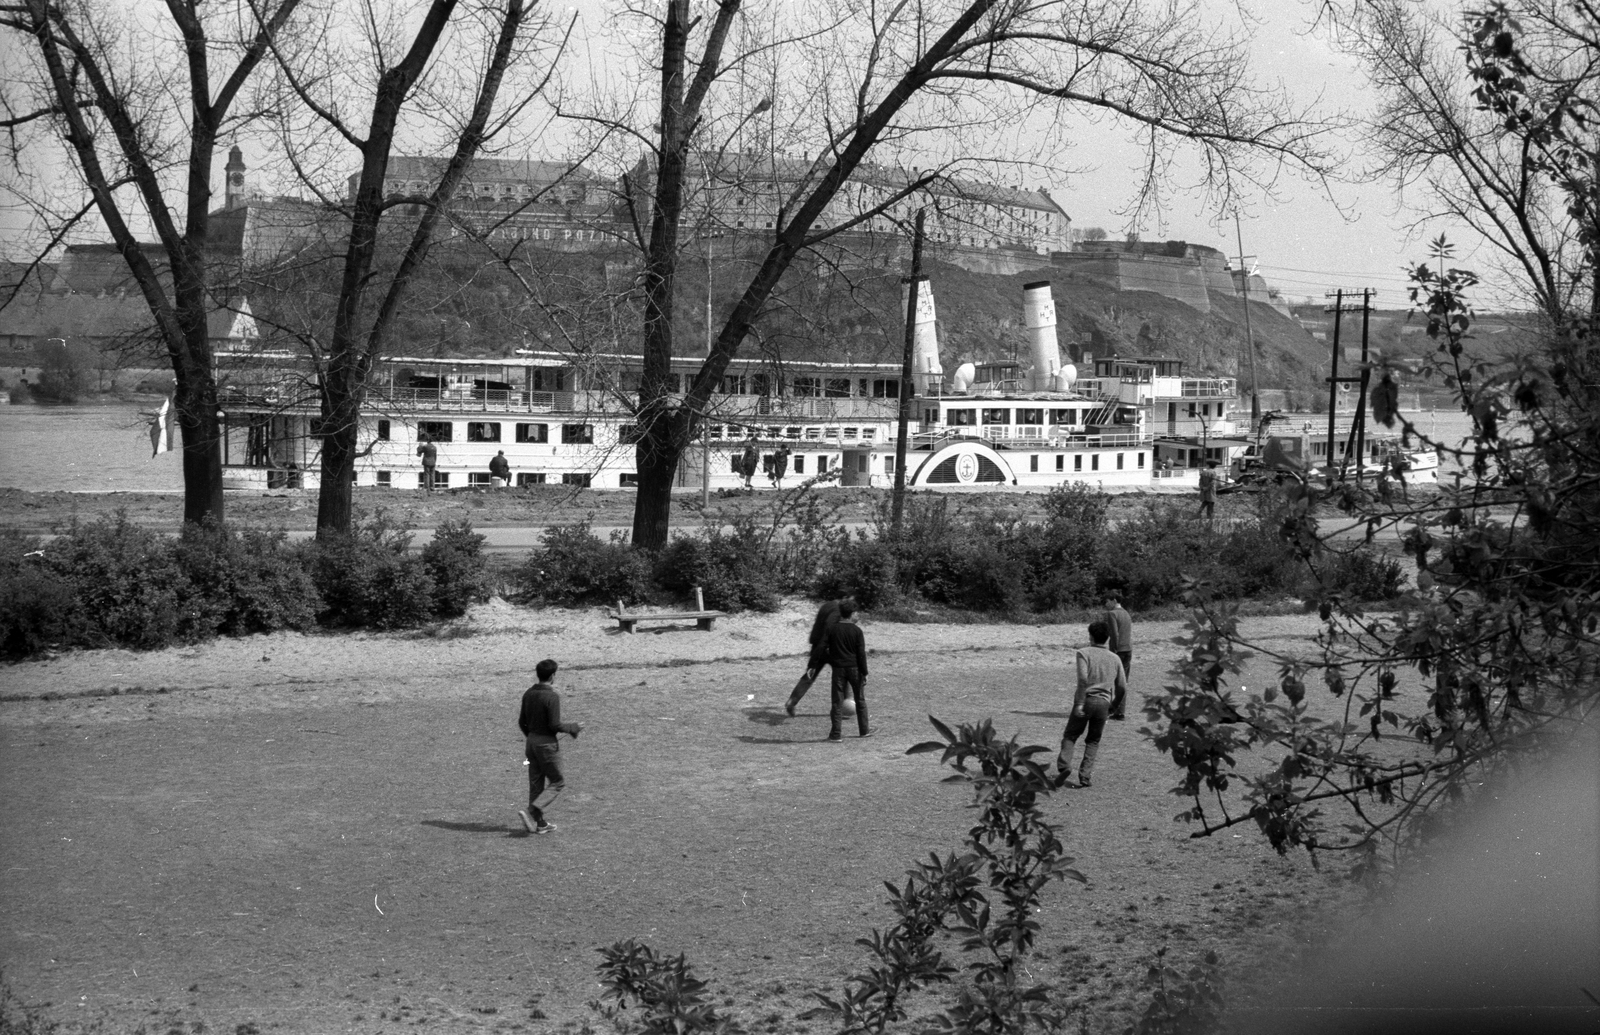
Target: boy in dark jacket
{"x":540,"y":721}
{"x":827,"y":618}
{"x":845,"y":648}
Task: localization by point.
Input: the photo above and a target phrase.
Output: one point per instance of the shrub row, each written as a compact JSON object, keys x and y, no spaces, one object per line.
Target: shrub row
{"x":113,"y":583}
{"x":979,"y":562}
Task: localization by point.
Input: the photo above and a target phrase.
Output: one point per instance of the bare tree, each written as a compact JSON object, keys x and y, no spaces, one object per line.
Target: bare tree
{"x":917,"y":85}
{"x":1434,"y":136}
{"x":439,"y":87}
{"x":140,"y":103}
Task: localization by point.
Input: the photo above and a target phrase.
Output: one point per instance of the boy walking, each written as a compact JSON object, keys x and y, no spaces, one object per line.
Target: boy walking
{"x":827,"y":618}
{"x":1120,"y":626}
{"x":846,"y":651}
{"x":1100,"y":678}
{"x":540,"y":721}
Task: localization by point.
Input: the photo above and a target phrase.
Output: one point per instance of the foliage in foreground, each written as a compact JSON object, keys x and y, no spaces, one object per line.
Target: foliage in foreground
{"x":987,"y":895}
{"x":1493,"y":655}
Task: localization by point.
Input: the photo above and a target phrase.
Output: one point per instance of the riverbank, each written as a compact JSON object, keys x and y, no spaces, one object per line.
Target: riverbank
{"x":528,"y":506}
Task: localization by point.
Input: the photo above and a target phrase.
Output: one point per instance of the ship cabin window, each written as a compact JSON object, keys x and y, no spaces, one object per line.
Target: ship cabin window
{"x":533,"y":432}
{"x":997,"y":416}
{"x":1119,"y":460}
{"x":628,"y":434}
{"x":791,"y":433}
{"x":868,"y":434}
{"x":549,"y":379}
{"x":580,"y":480}
{"x":1030,"y":416}
{"x":1319,"y":449}
{"x":822,"y":465}
{"x":441,"y":479}
{"x":1061,"y":462}
{"x":530,"y":478}
{"x":838,"y":388}
{"x":1077,"y":462}
{"x":961,"y":418}
{"x":813,"y":434}
{"x":886,"y":388}
{"x":733,"y":384}
{"x":850,"y":433}
{"x":385,"y":479}
{"x":807,"y":387}
{"x":1191,"y":410}
{"x":799,"y":464}
{"x":1033,"y":463}
{"x":714,"y":431}
{"x":383,"y":431}
{"x":760,"y":384}
{"x":436,"y":430}
{"x":577,"y":434}
{"x":888,"y":465}
{"x":628,"y":479}
{"x":1141,"y":461}
{"x":930,"y":416}
{"x":479,"y":479}
{"x":1063,"y":416}
{"x":1094,"y":462}
{"x":483,"y":431}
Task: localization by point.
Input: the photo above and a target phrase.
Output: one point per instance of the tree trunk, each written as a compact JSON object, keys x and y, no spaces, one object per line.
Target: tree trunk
{"x":658,"y":469}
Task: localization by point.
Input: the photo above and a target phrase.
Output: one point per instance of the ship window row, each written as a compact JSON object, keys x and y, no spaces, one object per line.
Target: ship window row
{"x":491,"y":431}
{"x":963,"y":417}
{"x":794,"y":433}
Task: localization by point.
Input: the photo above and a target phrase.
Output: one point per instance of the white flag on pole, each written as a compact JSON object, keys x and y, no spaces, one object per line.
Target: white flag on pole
{"x":161,"y":429}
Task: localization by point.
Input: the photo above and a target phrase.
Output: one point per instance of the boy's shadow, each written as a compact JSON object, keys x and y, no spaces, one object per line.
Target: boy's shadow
{"x":1044,"y":715}
{"x":477,"y":828}
{"x":767,"y":716}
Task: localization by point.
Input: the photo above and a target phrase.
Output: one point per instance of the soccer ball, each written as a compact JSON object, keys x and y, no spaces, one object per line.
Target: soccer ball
{"x":847,"y":706}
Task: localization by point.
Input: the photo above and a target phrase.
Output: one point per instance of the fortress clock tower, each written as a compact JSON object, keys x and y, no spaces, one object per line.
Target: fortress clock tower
{"x":235,"y":195}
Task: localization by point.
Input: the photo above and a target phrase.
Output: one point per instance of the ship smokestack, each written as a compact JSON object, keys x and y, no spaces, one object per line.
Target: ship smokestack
{"x":926,"y":372}
{"x":1039,"y":317}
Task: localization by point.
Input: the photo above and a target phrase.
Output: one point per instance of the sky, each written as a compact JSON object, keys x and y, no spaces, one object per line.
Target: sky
{"x":1306,"y":241}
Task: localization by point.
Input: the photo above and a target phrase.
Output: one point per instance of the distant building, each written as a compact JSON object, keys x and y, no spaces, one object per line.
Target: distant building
{"x":559,"y":204}
{"x":978,"y":226}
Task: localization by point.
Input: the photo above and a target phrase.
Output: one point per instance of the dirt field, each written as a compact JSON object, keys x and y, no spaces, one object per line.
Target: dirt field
{"x":318,"y":834}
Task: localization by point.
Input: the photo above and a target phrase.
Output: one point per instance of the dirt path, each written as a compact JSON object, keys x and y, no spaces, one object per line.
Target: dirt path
{"x":318,"y":833}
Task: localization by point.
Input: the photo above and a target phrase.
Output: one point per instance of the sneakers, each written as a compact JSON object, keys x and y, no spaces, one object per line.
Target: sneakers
{"x":869,"y":733}
{"x":1061,"y":778}
{"x":545,"y":828}
{"x":1119,"y":718}
{"x":1083,"y":781}
{"x":835,"y":737}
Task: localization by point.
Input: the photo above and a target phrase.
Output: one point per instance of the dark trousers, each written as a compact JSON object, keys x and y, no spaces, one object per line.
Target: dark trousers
{"x":544,"y":767}
{"x":814,"y":663}
{"x":851,"y":680}
{"x":1119,"y":702}
{"x":1093,"y":720}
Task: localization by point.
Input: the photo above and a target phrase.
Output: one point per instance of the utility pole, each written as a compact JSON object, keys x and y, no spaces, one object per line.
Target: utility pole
{"x":1356,"y":440}
{"x":1333,"y":376}
{"x":1249,"y":335}
{"x":905,"y":377}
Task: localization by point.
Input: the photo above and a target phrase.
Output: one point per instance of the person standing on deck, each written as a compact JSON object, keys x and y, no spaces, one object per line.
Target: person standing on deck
{"x":430,"y":457}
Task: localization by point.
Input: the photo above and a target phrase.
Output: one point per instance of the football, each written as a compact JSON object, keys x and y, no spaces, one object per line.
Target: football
{"x":848,"y":706}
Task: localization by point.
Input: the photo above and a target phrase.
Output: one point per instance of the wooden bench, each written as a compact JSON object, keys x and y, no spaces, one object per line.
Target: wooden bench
{"x":700,"y":616}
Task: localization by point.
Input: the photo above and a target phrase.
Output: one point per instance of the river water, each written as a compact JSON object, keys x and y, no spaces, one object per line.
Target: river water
{"x":106,"y":447}
{"x":97,"y":448}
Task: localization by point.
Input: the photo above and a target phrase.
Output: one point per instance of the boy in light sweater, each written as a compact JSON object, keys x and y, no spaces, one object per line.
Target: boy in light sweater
{"x":1100,"y":678}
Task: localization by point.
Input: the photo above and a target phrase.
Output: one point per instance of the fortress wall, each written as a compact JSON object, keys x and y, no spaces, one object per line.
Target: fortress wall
{"x":1179,"y":278}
